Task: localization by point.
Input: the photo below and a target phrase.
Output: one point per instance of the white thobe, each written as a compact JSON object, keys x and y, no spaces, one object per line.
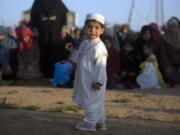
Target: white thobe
{"x":91,"y":60}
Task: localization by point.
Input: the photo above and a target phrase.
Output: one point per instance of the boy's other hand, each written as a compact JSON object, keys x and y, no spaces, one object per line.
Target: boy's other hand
{"x":96,"y":86}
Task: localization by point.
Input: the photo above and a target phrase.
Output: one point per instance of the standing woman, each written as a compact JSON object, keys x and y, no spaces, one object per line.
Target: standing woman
{"x":169,"y":52}
{"x":28,"y":56}
{"x":48,"y":16}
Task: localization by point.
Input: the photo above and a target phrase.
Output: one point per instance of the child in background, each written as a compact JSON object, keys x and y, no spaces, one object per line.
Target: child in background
{"x":113,"y":64}
{"x":59,"y":51}
{"x":90,"y":78}
{"x":129,"y":66}
{"x":76,"y":37}
{"x":151,"y":76}
{"x":61,"y":75}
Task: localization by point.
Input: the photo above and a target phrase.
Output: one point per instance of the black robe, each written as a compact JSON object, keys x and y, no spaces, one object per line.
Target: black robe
{"x":48,"y":16}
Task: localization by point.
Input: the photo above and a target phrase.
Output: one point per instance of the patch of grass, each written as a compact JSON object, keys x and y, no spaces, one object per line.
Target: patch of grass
{"x":73,"y":108}
{"x":33,"y":107}
{"x":46,"y":91}
{"x":18,"y":82}
{"x":124,"y":100}
{"x":12,"y":92}
{"x":146,"y":117}
{"x":9,"y":106}
{"x":60,"y":102}
{"x":5,"y":105}
{"x":140,"y":95}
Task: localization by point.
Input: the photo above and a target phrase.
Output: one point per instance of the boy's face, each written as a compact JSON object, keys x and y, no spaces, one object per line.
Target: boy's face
{"x":94,"y":29}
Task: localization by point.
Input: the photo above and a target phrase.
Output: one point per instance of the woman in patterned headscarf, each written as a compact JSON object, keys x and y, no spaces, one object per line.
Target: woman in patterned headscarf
{"x":169,"y":52}
{"x":28,"y":56}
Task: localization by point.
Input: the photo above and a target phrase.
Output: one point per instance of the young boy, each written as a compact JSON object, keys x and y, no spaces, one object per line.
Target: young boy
{"x":90,"y":78}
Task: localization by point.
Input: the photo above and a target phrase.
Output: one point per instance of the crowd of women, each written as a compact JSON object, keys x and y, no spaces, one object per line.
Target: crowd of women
{"x":134,"y":58}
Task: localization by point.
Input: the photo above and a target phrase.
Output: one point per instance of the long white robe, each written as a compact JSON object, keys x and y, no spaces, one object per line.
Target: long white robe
{"x":91,"y":68}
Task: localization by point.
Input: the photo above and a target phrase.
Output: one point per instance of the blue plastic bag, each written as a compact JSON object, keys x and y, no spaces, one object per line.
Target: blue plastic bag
{"x":61,"y":73}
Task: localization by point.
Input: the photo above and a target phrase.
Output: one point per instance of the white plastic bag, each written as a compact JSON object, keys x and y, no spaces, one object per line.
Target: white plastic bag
{"x":148,"y":79}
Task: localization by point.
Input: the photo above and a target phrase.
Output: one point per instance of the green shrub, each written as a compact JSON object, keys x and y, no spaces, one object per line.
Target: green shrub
{"x":73,"y":108}
{"x":33,"y":107}
{"x":9,"y":106}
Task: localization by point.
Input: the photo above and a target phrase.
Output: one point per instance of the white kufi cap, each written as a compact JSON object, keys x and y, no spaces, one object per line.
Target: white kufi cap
{"x":97,"y":17}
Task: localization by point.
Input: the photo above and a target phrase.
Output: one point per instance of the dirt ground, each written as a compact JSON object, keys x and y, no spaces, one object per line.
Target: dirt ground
{"x":50,"y":111}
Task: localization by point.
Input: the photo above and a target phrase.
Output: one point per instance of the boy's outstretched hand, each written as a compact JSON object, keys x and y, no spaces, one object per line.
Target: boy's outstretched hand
{"x":69,"y":47}
{"x":96,"y":86}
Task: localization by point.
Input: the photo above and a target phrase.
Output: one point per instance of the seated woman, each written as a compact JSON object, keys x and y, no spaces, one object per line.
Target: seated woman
{"x":150,"y":76}
{"x":28,"y":56}
{"x":6,"y":44}
{"x":146,"y":36}
{"x":169,"y":52}
{"x":129,"y":64}
{"x":113,"y":64}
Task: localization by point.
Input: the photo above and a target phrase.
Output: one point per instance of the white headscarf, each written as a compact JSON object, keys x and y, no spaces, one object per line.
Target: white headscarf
{"x":97,"y":17}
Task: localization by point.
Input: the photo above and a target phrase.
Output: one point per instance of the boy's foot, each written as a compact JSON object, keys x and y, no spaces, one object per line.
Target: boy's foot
{"x":101,"y":127}
{"x":85,"y":127}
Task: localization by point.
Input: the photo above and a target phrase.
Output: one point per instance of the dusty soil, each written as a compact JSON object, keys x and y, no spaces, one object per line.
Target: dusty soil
{"x":129,"y":112}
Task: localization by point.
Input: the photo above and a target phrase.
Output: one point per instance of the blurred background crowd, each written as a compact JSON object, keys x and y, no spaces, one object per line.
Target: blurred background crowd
{"x":30,"y":50}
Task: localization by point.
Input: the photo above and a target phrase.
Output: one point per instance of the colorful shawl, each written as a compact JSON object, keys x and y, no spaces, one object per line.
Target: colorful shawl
{"x":26,"y":46}
{"x":155,"y":63}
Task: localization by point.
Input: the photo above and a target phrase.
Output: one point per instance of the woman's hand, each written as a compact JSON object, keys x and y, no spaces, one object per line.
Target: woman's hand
{"x":96,"y":86}
{"x":69,"y":47}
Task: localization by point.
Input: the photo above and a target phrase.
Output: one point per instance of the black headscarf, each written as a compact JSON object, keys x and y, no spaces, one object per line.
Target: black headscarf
{"x":139,"y":46}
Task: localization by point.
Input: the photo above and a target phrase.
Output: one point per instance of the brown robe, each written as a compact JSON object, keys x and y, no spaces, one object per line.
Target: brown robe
{"x":169,"y":61}
{"x":29,"y":64}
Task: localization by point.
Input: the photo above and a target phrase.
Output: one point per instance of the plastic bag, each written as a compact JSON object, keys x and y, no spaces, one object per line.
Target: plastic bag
{"x":148,"y":79}
{"x":61,"y":73}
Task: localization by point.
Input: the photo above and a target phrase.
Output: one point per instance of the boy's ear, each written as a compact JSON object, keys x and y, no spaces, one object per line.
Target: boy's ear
{"x":102,"y":31}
